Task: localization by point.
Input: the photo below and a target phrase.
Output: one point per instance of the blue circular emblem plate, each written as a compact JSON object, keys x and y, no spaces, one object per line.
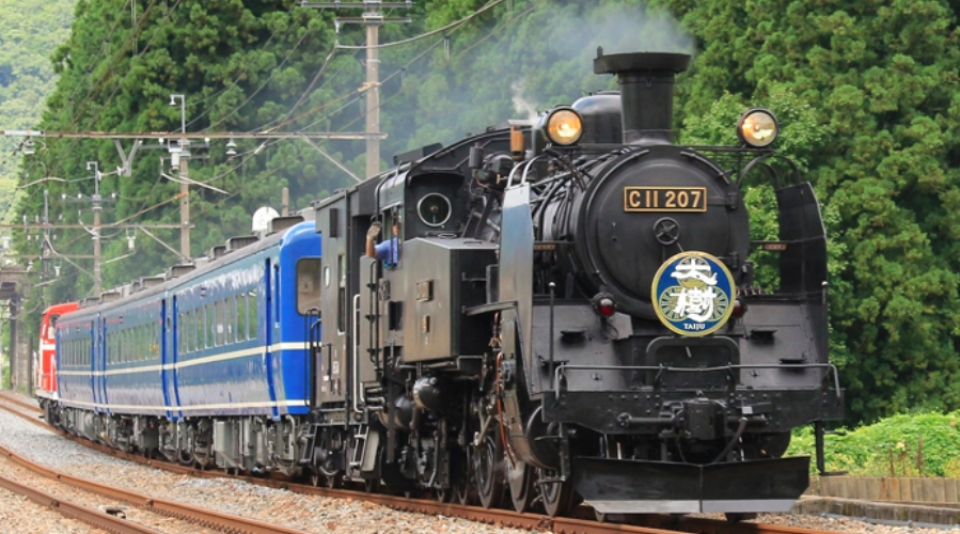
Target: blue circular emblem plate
{"x":693,"y":294}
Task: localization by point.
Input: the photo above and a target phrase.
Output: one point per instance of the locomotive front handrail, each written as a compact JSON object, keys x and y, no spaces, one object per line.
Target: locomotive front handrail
{"x":523,"y":176}
{"x":563,"y":367}
{"x":761,"y":161}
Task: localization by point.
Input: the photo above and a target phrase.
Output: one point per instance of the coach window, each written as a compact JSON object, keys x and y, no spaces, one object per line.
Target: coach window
{"x":218,"y":332}
{"x":242,"y":317}
{"x":153,"y":330}
{"x":225,"y":328}
{"x":181,"y":338}
{"x":52,"y":328}
{"x":230,"y":318}
{"x":197,"y":329}
{"x":186,"y":330}
{"x":208,"y":325}
{"x":308,"y":286}
{"x":253,"y":318}
{"x":276,"y":294}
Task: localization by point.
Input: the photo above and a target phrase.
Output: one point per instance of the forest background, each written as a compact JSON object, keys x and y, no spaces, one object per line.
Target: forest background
{"x":867,"y":92}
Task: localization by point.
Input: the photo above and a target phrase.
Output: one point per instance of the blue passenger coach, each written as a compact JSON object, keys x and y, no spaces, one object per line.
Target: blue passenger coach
{"x":220,"y":348}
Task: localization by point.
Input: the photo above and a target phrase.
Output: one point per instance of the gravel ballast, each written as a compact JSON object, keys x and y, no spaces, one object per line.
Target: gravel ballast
{"x":302,"y":512}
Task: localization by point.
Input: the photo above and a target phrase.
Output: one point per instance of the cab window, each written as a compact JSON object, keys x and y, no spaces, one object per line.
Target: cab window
{"x":308,"y":286}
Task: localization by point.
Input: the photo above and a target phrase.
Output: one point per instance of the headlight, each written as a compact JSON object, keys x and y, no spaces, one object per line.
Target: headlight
{"x":757,"y":128}
{"x":564,"y":127}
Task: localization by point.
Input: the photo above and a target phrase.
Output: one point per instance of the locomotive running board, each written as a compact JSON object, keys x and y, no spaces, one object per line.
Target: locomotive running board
{"x":645,"y":487}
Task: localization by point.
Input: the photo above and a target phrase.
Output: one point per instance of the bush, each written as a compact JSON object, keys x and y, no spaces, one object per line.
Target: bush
{"x":925,"y":444}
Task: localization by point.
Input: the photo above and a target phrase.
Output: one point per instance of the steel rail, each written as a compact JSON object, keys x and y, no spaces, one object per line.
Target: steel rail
{"x":191,"y":514}
{"x":640,"y":524}
{"x":12,"y":399}
{"x":94,"y":518}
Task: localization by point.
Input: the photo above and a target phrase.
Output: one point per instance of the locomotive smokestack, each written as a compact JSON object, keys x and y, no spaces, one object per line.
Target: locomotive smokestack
{"x":646,"y":92}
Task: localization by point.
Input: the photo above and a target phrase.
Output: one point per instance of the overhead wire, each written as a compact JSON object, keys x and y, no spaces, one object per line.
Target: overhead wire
{"x":273,"y":73}
{"x":183,"y":180}
{"x":337,"y":46}
{"x":354,"y":94}
{"x":310,"y":87}
{"x":111,"y":67}
{"x":120,"y":56}
{"x":452,"y":25}
{"x":419,"y":56}
{"x":382,"y":102}
{"x":234,"y":83}
{"x":319,"y":74}
{"x":96,"y":60}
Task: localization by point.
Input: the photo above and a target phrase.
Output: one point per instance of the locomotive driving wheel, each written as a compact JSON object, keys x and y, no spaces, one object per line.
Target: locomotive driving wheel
{"x":466,"y":492}
{"x":557,"y":496}
{"x":443,"y":495}
{"x":488,"y":469}
{"x":521,"y":478}
{"x":461,"y":477}
{"x":333,"y":481}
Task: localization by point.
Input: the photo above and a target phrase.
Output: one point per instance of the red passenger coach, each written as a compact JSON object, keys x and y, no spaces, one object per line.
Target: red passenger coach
{"x":45,"y":381}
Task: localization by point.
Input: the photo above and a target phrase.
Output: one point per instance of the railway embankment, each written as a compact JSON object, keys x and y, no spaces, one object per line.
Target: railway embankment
{"x":916,"y":500}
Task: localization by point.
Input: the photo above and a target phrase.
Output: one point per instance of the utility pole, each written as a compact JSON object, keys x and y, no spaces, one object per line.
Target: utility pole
{"x":373,"y":18}
{"x":373,"y":98}
{"x":96,"y":202}
{"x":183,"y":161}
{"x":97,"y":277}
{"x":185,"y":203}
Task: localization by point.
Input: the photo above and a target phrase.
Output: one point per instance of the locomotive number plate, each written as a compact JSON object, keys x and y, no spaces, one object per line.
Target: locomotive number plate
{"x":664,"y":199}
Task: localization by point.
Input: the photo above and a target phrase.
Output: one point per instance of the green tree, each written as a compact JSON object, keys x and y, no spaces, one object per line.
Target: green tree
{"x":29,"y":32}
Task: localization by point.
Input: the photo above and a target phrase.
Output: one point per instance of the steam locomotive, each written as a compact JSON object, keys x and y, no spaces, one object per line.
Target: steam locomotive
{"x":568,"y":311}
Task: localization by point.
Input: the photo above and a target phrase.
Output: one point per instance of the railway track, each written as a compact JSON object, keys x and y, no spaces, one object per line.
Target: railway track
{"x":196,"y":516}
{"x":12,"y":399}
{"x":646,"y":524}
{"x":94,"y":518}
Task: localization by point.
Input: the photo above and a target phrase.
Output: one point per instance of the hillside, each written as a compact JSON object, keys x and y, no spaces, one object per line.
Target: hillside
{"x":29,"y":34}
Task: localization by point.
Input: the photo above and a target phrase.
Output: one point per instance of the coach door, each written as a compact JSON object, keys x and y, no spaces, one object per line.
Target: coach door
{"x":335,"y":306}
{"x":272,"y":326}
{"x":98,"y":363}
{"x":169,"y":357}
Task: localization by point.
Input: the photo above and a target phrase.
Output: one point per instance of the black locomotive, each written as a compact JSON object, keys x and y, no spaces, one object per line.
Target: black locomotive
{"x":569,"y":313}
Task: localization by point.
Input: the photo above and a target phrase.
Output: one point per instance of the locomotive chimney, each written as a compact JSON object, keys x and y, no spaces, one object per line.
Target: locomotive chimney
{"x":646,"y":92}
